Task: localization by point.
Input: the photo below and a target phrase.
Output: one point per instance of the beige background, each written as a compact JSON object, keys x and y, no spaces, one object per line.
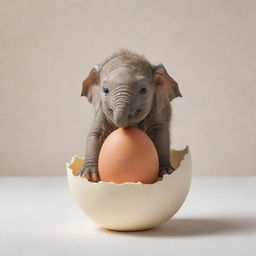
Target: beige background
{"x":48,"y":47}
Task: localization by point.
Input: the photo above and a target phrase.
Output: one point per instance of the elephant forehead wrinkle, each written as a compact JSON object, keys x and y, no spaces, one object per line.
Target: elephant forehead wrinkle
{"x":140,"y":78}
{"x":124,"y":78}
{"x":116,"y":67}
{"x":118,"y":79}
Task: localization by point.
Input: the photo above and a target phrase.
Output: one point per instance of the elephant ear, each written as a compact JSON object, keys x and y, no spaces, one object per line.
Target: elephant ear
{"x":166,"y":86}
{"x":91,"y":87}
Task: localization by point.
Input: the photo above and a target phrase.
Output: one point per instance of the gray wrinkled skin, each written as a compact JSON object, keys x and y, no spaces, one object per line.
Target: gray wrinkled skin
{"x":125,"y":103}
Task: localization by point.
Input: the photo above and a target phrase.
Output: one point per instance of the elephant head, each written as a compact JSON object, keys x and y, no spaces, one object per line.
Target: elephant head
{"x":125,"y":88}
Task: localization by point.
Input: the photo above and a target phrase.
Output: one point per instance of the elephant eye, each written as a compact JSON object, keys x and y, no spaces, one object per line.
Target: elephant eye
{"x":105,"y":90}
{"x":143,"y":90}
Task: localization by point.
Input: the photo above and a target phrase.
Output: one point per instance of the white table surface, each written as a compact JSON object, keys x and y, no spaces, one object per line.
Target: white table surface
{"x":38,"y":216}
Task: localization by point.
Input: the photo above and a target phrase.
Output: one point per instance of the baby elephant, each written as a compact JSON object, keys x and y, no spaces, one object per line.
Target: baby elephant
{"x":126,"y":90}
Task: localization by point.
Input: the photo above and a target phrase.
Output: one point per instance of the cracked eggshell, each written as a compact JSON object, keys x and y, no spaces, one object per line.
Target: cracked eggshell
{"x":132,"y":206}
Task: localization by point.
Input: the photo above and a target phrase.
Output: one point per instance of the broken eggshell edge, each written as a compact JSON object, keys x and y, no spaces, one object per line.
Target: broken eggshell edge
{"x":132,"y":206}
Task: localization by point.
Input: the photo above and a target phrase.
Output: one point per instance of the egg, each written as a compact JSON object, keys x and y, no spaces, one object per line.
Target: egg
{"x":128,"y":155}
{"x":132,"y":206}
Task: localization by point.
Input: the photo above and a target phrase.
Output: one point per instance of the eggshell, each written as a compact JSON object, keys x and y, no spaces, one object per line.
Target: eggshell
{"x":128,"y":154}
{"x":132,"y":206}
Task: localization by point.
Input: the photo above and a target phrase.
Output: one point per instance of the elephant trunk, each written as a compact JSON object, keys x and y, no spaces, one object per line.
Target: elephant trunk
{"x":120,"y":117}
{"x":120,"y":103}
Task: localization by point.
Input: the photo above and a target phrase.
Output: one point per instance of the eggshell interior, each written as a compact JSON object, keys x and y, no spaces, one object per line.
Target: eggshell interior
{"x":132,"y":206}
